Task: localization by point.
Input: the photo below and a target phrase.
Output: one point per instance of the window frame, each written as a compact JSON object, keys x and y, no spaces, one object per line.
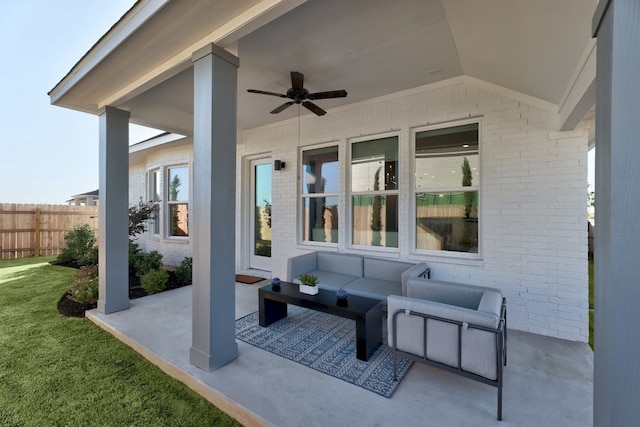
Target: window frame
{"x":302,"y":196}
{"x":349,"y":193}
{"x":155,"y":224}
{"x":413,"y":191}
{"x":168,"y":202}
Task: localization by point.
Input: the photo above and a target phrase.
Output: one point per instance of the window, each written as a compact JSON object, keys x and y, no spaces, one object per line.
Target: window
{"x":154,"y":196}
{"x":374,"y":192}
{"x":447,"y":179}
{"x":320,"y":179}
{"x":178,"y":201}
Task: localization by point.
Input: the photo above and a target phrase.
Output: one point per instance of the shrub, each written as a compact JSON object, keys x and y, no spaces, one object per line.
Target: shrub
{"x":155,"y":281}
{"x":80,"y":247}
{"x":147,"y":262}
{"x":84,"y":288}
{"x":140,"y":215}
{"x":184,"y":272}
{"x":134,"y":256}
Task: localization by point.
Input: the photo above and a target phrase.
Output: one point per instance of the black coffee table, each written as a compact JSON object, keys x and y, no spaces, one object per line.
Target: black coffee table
{"x":367,"y":312}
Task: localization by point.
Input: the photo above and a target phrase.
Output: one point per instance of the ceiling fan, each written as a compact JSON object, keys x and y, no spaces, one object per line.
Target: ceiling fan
{"x":299,"y":95}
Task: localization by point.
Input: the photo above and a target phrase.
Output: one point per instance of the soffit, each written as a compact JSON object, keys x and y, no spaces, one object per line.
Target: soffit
{"x":532,"y":47}
{"x":369,"y":49}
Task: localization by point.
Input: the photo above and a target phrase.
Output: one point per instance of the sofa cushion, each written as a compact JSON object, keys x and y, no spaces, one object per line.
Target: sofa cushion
{"x":329,"y":280}
{"x":374,"y":288}
{"x":350,"y":265}
{"x":455,"y":294}
{"x":298,"y":265}
{"x":383,"y":269}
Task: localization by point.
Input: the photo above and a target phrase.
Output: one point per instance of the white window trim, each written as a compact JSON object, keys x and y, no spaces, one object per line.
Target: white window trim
{"x":166,"y":203}
{"x":150,"y":197}
{"x":430,"y":254}
{"x":301,"y":197}
{"x":348,"y":231}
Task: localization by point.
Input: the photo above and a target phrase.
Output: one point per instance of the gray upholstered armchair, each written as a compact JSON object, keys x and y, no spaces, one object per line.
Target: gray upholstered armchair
{"x":459,"y":328}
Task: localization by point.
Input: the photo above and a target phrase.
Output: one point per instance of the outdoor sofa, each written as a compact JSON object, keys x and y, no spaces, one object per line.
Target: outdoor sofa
{"x":369,"y":277}
{"x":456,"y":327}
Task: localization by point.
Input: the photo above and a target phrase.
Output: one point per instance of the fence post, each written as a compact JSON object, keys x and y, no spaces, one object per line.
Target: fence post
{"x":37,"y":234}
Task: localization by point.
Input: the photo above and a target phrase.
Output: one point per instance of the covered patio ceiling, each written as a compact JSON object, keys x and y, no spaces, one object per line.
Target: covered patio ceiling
{"x":143,"y":63}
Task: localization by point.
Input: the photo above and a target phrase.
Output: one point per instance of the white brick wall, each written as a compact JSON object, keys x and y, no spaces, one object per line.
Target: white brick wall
{"x":533,"y":190}
{"x":533,"y":195}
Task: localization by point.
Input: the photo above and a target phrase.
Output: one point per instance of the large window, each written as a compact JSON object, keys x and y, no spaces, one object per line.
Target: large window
{"x":178,"y":201}
{"x":447,"y":179}
{"x":320,"y":179}
{"x":374,"y":192}
{"x":154,"y":196}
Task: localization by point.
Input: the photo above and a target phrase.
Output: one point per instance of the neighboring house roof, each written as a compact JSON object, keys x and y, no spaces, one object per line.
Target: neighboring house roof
{"x":91,"y":194}
{"x":542,"y":50}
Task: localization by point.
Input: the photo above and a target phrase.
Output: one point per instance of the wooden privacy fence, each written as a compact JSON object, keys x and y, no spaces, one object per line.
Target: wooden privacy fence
{"x":28,"y":230}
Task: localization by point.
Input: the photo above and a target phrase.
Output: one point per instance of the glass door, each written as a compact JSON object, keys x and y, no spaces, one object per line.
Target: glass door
{"x":260,"y":221}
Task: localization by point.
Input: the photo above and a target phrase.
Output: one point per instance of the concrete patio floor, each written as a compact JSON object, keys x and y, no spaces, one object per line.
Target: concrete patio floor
{"x":548,"y":381}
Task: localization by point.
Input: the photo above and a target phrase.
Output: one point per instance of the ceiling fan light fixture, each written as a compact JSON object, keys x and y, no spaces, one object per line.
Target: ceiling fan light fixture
{"x":299,"y":95}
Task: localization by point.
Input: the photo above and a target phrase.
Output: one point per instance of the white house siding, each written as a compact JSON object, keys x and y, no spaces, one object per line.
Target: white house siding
{"x":174,"y":250}
{"x":533,"y":195}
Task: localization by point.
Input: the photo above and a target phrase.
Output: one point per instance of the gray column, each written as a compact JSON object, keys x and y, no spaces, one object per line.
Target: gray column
{"x":113,"y":210}
{"x":617,"y":227}
{"x":213,"y":213}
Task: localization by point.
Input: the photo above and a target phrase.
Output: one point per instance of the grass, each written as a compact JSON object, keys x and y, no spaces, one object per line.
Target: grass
{"x":56,"y":370}
{"x":591,"y":299}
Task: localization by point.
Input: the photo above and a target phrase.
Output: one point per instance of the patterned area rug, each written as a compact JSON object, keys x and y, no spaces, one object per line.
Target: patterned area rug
{"x":327,"y":344}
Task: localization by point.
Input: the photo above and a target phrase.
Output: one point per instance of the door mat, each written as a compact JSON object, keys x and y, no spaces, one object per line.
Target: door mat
{"x":327,"y":344}
{"x":250,"y":280}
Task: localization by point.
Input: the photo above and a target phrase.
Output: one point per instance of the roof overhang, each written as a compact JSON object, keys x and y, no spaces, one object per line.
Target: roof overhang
{"x":540,"y":49}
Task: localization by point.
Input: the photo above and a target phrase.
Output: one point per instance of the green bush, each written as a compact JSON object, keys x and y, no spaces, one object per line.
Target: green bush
{"x":147,"y":262}
{"x":84,"y":288}
{"x":155,"y":281}
{"x":80,"y":247}
{"x":184,"y":272}
{"x":134,"y":256}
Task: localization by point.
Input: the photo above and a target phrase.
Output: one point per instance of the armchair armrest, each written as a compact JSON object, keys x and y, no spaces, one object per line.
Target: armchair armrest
{"x":418,"y":270}
{"x":301,"y":264}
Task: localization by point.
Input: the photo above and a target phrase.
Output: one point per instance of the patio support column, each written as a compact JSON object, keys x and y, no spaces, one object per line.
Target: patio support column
{"x":113,"y":219}
{"x":213,"y":215}
{"x":617,"y":230}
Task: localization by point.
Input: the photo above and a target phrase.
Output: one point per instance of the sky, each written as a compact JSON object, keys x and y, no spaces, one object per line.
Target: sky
{"x":48,"y":153}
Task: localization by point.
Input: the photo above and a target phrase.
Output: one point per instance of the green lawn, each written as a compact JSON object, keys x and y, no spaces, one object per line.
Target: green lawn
{"x":56,"y":370}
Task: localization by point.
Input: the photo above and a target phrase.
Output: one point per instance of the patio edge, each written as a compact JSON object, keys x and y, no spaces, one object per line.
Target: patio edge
{"x":222,"y":402}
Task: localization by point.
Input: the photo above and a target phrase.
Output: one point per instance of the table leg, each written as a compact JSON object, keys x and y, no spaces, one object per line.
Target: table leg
{"x":271,"y":311}
{"x":369,"y":333}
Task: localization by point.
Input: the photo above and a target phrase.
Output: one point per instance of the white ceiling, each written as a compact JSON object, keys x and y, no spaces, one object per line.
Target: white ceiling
{"x":369,"y":48}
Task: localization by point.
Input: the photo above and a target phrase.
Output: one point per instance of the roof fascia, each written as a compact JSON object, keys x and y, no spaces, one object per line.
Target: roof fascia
{"x":122,"y":30}
{"x":226,"y":37}
{"x":581,"y":92}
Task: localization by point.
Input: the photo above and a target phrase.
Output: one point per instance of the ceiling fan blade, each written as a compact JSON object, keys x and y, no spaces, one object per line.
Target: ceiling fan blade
{"x":282,"y":107}
{"x":263,"y":92}
{"x":328,"y":94}
{"x":313,"y":108}
{"x":297,"y":80}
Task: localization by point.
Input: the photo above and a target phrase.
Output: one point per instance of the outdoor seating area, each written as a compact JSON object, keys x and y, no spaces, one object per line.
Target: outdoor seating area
{"x":459,"y":328}
{"x":549,"y":381}
{"x":368,"y":277}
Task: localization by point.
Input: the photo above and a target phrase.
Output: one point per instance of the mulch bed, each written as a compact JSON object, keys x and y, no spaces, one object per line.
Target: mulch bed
{"x":69,"y":307}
